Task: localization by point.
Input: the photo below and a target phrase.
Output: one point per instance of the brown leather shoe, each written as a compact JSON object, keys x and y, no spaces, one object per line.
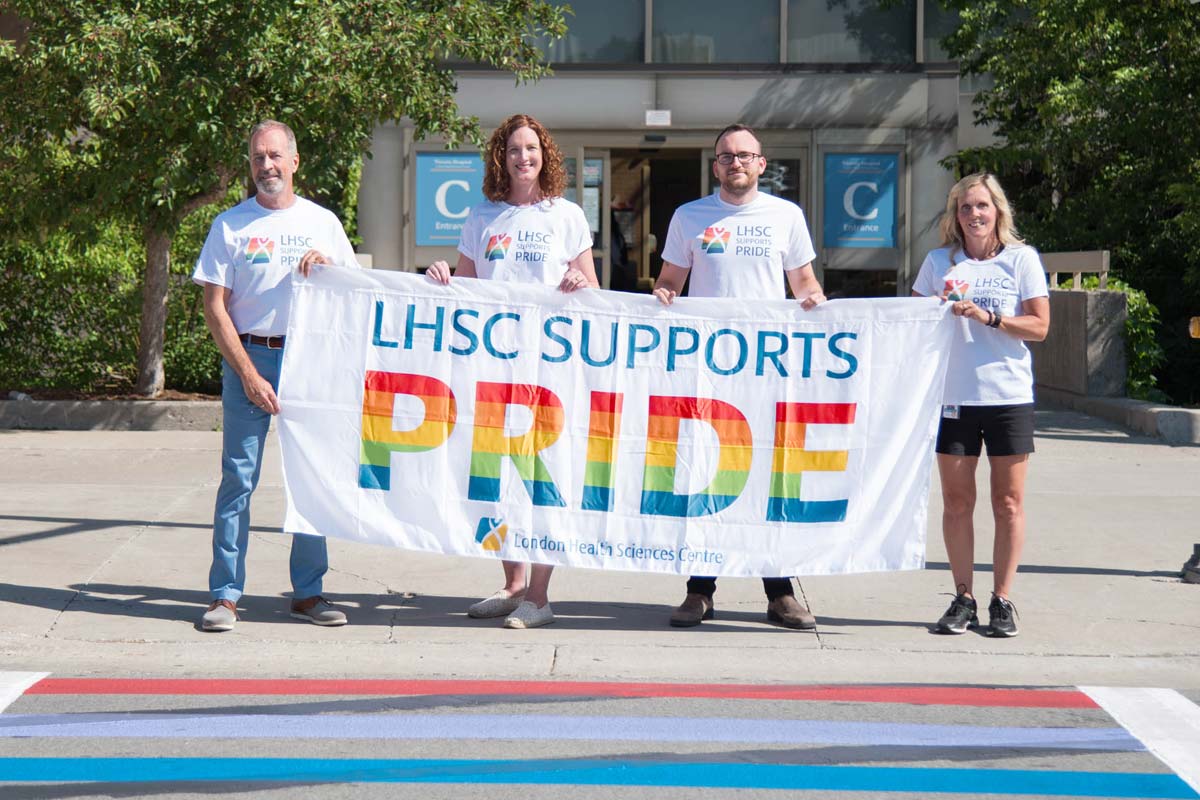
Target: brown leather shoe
{"x":221,"y":616}
{"x":790,"y":613}
{"x":694,"y":609}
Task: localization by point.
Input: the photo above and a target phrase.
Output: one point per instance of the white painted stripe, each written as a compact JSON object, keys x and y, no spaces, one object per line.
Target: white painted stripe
{"x":1163,"y":719}
{"x":14,"y":684}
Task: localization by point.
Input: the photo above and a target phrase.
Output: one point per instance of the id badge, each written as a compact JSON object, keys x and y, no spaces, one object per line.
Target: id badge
{"x":949,"y":412}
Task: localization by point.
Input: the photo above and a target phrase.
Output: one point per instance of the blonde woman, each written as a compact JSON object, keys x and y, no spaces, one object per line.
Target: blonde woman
{"x":998,"y":287}
{"x":525,"y":232}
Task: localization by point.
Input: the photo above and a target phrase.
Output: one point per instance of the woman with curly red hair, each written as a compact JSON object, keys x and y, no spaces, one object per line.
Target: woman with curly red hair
{"x":529,"y":233}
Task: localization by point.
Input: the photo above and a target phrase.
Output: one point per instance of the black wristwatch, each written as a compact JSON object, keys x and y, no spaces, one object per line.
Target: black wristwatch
{"x":994,"y":322}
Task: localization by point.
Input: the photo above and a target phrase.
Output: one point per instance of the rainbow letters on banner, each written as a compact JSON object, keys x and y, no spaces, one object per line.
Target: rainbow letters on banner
{"x":603,"y":430}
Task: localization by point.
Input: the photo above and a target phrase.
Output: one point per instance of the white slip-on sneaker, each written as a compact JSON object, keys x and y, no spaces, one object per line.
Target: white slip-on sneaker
{"x":499,"y":604}
{"x":527,"y":615}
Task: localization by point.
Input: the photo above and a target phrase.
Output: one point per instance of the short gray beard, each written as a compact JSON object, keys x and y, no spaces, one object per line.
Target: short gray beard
{"x":262,"y":186}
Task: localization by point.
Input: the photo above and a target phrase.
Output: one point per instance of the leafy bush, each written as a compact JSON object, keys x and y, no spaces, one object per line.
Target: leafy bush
{"x":68,"y":312}
{"x":70,"y":304}
{"x":1143,"y":353}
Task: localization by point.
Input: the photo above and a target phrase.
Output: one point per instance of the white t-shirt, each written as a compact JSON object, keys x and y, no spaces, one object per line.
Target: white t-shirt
{"x":526,"y":244}
{"x":252,"y":250}
{"x":987,"y":367}
{"x":739,"y":251}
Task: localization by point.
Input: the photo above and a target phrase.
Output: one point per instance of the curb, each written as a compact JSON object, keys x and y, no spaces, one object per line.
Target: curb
{"x":1174,"y":425}
{"x":111,"y":415}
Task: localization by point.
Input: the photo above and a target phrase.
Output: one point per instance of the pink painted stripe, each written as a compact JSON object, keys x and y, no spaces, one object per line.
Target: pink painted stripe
{"x":913,"y":695}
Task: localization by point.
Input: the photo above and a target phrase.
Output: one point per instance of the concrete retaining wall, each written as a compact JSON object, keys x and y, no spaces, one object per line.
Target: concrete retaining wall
{"x":1084,"y":353}
{"x":1174,"y":425}
{"x":110,"y":415}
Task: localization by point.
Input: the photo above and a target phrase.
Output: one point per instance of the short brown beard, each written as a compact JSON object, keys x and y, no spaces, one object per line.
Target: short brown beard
{"x":740,"y":191}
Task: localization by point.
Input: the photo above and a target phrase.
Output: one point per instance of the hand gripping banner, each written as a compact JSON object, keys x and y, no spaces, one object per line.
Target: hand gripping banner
{"x":601,"y":429}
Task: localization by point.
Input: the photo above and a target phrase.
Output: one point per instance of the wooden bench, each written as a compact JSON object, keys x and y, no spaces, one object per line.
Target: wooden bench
{"x":1077,"y":263}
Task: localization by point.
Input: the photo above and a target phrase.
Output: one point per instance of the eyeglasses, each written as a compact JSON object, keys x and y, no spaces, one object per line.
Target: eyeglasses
{"x":725,"y":159}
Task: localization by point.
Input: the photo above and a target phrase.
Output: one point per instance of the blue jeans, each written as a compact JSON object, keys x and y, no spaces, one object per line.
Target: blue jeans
{"x":246,"y":426}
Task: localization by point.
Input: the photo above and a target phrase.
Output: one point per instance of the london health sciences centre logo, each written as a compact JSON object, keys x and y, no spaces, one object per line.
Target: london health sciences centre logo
{"x":497,"y":246}
{"x":491,"y":533}
{"x":259,"y":250}
{"x":715,"y":240}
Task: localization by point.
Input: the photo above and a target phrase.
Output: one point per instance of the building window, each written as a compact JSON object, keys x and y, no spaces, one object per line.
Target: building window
{"x":939,"y":23}
{"x":716,"y":31}
{"x":851,"y":31}
{"x":600,"y":31}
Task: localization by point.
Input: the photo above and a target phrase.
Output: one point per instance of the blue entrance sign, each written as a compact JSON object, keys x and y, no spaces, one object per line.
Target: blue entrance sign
{"x":860,"y":200}
{"x":448,"y":184}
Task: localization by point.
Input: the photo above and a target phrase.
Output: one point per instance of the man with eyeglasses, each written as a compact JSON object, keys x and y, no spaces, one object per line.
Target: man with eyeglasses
{"x":740,"y":242}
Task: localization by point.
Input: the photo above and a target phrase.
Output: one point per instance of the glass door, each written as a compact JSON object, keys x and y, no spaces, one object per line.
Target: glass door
{"x":588,"y":178}
{"x":783,"y":176}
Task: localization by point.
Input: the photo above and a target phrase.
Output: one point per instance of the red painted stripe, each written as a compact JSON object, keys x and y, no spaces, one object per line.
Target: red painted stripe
{"x":913,"y":695}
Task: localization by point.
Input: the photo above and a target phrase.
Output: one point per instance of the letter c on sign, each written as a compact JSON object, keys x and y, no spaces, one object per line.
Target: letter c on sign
{"x":439,"y":199}
{"x":848,"y":199}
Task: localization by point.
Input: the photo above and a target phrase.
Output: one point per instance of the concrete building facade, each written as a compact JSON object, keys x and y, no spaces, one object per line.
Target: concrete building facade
{"x":855,"y":108}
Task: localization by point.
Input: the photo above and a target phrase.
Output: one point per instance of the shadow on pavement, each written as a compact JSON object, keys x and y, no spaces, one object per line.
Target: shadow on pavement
{"x":390,"y":609}
{"x":72,"y":525}
{"x":1056,"y":569}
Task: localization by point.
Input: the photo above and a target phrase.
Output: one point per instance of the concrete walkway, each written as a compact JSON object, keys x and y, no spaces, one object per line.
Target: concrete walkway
{"x":105,"y":545}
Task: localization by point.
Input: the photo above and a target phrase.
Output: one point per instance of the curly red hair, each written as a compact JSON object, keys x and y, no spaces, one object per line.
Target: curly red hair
{"x":553,"y":177}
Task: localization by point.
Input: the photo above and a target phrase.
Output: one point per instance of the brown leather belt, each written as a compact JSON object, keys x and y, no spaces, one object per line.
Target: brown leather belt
{"x":269,"y":342}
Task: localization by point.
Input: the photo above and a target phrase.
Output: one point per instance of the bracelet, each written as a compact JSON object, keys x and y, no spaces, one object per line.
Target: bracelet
{"x":994,"y":322}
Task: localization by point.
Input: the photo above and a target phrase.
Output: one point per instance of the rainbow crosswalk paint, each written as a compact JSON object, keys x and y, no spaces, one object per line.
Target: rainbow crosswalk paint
{"x":490,"y":446}
{"x":600,"y":473}
{"x":662,"y":448}
{"x":379,"y":437}
{"x":791,"y":460}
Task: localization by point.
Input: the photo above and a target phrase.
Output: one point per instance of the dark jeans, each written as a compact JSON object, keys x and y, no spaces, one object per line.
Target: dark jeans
{"x":774,"y":587}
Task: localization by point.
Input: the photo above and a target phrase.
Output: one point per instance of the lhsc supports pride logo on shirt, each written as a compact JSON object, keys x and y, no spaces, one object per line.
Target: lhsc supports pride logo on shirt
{"x":715,"y":240}
{"x":956,"y":289}
{"x":259,"y":250}
{"x":497,"y":246}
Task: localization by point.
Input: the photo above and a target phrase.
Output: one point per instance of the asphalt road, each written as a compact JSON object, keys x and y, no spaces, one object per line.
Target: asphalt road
{"x":480,"y":739}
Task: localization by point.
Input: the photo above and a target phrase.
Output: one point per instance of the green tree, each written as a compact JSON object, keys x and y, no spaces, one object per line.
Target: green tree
{"x":1097,"y":103}
{"x":138,"y":109}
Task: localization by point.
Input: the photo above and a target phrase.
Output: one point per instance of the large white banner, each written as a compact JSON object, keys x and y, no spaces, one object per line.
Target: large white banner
{"x":601,"y":429}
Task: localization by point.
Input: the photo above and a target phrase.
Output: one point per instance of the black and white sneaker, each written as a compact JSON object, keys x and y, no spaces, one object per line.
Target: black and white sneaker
{"x":962,"y":614}
{"x":1002,"y":615}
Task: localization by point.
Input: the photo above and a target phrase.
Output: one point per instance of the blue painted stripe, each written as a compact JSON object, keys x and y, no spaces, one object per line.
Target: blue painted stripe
{"x":542,"y":727}
{"x":592,"y":772}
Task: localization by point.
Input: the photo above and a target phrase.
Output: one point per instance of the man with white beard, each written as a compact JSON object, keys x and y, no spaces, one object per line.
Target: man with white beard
{"x":245,"y":270}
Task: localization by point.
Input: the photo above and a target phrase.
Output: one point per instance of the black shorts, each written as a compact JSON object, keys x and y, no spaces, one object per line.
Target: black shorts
{"x":1006,"y":430}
